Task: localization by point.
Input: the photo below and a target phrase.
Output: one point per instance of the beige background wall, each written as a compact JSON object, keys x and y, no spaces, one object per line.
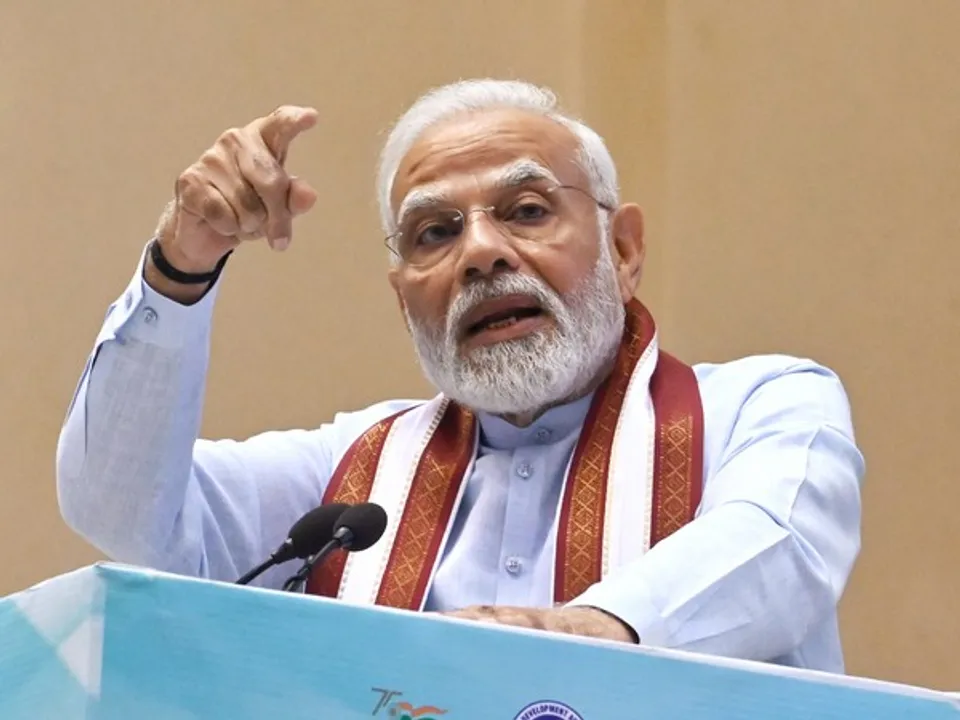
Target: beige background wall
{"x":799,"y":162}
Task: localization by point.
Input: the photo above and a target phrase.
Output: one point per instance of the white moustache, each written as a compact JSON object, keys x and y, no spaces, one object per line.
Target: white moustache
{"x":501,"y":285}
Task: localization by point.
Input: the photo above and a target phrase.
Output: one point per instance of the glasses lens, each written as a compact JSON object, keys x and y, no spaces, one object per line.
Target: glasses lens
{"x":428,"y":237}
{"x":528,"y":213}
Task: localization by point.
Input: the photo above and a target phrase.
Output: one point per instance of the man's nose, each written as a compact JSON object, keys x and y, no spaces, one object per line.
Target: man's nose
{"x":487,"y":250}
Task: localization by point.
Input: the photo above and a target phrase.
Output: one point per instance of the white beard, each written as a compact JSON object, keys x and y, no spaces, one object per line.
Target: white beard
{"x":538,"y":370}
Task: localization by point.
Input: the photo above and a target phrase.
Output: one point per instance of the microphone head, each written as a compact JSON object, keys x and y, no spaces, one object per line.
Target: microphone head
{"x":311,"y":532}
{"x":361,"y":526}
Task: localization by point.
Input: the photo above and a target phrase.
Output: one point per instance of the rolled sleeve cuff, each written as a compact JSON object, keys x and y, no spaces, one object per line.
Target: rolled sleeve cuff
{"x":143,"y":314}
{"x":632,"y":605}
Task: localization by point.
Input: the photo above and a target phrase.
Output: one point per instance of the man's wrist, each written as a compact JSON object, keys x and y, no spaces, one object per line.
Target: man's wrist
{"x":613,"y":627}
{"x":634,"y":637}
{"x":190,"y":263}
{"x":173,"y":280}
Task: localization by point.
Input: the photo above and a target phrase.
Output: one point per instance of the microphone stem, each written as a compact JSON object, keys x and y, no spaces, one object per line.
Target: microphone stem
{"x":296,"y":582}
{"x":256,"y":572}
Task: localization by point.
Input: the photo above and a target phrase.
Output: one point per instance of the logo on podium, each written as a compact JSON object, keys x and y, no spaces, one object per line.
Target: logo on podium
{"x":548,"y":710}
{"x":389,"y":706}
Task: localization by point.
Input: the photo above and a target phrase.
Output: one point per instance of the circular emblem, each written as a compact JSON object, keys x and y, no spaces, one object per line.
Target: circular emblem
{"x":548,"y":710}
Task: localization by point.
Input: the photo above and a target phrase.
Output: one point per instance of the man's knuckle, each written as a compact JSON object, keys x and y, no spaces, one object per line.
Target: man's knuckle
{"x":231,"y":138}
{"x":188,"y":177}
{"x":251,"y":202}
{"x":212,"y":158}
{"x":189,"y":184}
{"x":212,"y":209}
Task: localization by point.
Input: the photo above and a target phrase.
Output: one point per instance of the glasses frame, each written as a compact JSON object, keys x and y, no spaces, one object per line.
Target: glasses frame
{"x":390,"y":240}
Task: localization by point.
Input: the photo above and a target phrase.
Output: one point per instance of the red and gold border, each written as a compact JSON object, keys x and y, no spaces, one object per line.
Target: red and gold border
{"x":351,"y":483}
{"x":678,"y":456}
{"x":579,"y":557}
{"x":429,"y":510}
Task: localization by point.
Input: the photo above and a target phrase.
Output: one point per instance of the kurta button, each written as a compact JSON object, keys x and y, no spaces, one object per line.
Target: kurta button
{"x":514,"y":565}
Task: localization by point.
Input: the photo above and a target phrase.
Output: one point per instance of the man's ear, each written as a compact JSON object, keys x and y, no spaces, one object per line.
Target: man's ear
{"x":393,"y":276}
{"x":626,"y":234}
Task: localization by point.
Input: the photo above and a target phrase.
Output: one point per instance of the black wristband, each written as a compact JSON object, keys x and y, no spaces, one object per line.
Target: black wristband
{"x":178,"y":276}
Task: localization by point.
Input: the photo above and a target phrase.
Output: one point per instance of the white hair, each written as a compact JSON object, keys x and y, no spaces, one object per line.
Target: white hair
{"x":478,"y":95}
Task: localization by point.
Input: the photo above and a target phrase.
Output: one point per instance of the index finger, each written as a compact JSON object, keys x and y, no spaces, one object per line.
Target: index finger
{"x":279,"y":128}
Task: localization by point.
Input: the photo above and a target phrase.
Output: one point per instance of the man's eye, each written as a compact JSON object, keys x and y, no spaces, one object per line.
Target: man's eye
{"x":528,"y":212}
{"x":439,"y":232}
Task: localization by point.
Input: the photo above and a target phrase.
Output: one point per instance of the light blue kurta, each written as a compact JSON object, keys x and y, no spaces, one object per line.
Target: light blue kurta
{"x":757,"y":575}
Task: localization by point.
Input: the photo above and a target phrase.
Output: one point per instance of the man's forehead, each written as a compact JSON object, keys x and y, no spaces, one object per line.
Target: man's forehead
{"x":514,"y":174}
{"x":487,"y":146}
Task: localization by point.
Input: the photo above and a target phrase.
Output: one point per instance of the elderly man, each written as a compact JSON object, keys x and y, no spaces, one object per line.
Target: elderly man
{"x":570,"y":475}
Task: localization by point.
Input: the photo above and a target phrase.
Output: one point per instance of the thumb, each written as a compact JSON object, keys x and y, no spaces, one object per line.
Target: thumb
{"x":300,"y":197}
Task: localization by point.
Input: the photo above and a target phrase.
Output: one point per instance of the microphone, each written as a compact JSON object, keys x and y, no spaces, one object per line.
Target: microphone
{"x":307,"y":536}
{"x":357,"y":529}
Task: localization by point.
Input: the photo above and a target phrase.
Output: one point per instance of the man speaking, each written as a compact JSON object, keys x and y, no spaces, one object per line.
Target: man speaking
{"x":569,"y":476}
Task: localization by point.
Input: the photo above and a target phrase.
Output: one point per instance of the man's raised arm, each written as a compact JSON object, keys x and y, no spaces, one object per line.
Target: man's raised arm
{"x":131,"y":475}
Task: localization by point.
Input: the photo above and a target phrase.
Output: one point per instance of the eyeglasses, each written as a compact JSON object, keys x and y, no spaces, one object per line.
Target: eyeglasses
{"x":426,"y":236}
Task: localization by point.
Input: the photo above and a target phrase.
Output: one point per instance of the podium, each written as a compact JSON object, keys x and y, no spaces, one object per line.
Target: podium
{"x":108,"y":642}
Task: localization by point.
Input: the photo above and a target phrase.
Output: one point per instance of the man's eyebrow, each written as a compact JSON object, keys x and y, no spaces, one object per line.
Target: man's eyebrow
{"x":419,"y":199}
{"x":521,"y":173}
{"x":510,"y":176}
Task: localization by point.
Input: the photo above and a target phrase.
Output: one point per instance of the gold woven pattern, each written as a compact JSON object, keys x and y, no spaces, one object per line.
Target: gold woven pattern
{"x":352,"y":483}
{"x":586,"y":486}
{"x":673,"y":506}
{"x":357,"y":483}
{"x":428,"y":510}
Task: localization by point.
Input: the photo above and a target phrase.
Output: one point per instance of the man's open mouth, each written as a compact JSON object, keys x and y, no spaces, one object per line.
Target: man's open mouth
{"x":500,"y":313}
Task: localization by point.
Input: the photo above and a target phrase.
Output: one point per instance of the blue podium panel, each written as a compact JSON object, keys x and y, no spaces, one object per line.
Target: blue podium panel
{"x":110,"y":642}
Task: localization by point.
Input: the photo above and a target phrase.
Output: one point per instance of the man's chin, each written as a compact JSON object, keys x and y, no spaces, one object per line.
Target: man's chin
{"x":499,"y":389}
{"x":490,"y":402}
{"x":470,"y":350}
